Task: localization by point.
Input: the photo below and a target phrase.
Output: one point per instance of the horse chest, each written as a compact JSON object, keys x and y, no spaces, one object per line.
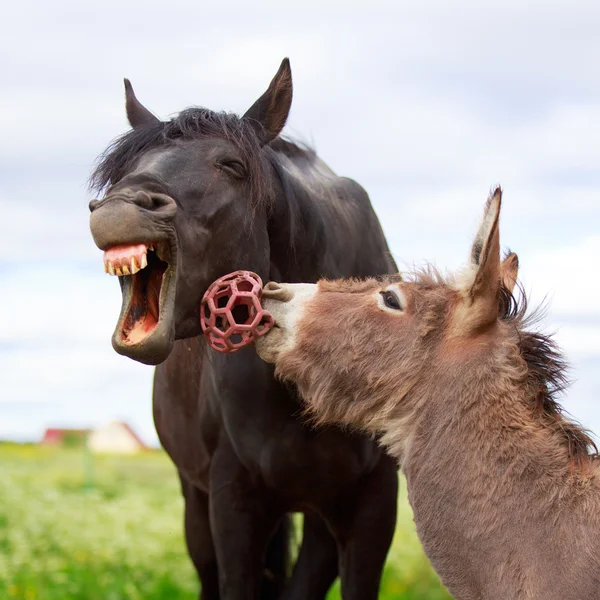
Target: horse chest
{"x":313,"y":467}
{"x":260,"y":418}
{"x":235,"y":398}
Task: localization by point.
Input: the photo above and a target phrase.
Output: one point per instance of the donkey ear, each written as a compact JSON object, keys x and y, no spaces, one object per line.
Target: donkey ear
{"x":481,"y":292}
{"x":509,"y":271}
{"x":137,"y":114}
{"x":271,"y":110}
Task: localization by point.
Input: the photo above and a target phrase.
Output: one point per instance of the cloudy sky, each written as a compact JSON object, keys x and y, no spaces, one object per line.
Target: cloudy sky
{"x":426,"y":104}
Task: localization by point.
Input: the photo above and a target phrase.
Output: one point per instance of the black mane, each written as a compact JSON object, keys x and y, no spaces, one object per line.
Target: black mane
{"x":194,"y":123}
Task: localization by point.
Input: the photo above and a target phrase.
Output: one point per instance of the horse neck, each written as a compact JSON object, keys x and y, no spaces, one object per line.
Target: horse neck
{"x":322,"y":225}
{"x":296,"y":231}
{"x":490,"y":485}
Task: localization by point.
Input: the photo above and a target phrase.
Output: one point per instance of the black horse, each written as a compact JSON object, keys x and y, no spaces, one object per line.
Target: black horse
{"x":187,"y":201}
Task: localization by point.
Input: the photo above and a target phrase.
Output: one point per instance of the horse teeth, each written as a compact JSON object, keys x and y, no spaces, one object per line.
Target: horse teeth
{"x":126,"y":260}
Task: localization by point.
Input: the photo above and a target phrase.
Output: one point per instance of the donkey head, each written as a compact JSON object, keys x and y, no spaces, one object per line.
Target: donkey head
{"x":360,"y":350}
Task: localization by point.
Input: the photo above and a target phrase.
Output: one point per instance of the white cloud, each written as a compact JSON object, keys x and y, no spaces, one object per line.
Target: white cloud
{"x":568,"y":274}
{"x":579,"y":342}
{"x":58,"y":304}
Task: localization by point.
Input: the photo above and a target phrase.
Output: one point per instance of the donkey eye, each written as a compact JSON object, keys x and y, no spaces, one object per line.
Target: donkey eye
{"x":391,"y":300}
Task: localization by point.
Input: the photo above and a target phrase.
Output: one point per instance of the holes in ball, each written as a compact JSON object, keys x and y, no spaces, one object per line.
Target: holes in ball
{"x":221,"y":323}
{"x":218,"y":343}
{"x":245,"y":286}
{"x":261,"y":327}
{"x":236,"y":338}
{"x":241,"y":313}
{"x":221,"y":299}
{"x":265,"y":323}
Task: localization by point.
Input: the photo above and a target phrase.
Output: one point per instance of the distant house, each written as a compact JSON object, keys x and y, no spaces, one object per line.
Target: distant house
{"x":115,"y":437}
{"x":64,"y":437}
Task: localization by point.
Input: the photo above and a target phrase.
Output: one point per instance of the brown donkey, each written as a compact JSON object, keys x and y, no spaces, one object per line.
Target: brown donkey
{"x":505,"y":490}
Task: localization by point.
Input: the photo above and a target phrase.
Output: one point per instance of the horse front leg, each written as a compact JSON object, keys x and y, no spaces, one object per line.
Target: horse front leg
{"x":199,"y":540}
{"x":317,"y":564}
{"x":364,"y":527}
{"x":242,"y":523}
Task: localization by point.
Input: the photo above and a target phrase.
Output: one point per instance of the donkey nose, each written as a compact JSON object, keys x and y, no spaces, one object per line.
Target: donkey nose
{"x":277,"y":291}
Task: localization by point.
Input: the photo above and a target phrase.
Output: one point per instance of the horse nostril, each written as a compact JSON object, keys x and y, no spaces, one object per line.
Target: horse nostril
{"x":163,"y":202}
{"x":143,"y":200}
{"x":275,"y":291}
{"x":155,"y":202}
{"x":94,"y":204}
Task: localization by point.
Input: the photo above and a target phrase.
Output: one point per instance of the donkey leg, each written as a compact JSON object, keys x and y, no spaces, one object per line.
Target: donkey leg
{"x":199,"y":540}
{"x":317,"y":564}
{"x":242,"y":523}
{"x":364,"y":527}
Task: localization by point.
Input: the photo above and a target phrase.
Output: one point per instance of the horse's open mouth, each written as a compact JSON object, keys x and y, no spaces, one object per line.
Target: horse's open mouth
{"x":146,"y":273}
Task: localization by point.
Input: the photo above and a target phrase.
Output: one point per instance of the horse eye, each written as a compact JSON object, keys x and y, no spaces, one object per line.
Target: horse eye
{"x":391,"y":300}
{"x":233,"y":167}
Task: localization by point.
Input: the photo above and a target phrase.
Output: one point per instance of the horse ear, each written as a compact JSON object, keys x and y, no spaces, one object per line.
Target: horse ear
{"x":137,"y":114}
{"x":481,"y":291}
{"x":509,"y":271}
{"x":271,"y":110}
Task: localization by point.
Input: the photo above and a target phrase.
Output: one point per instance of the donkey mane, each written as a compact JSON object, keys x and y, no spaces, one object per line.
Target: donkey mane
{"x":546,"y":376}
{"x":546,"y":366}
{"x":196,"y":123}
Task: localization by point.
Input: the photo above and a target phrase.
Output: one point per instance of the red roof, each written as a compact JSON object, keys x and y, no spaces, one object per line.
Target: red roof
{"x":133,"y":434}
{"x":56,"y":435}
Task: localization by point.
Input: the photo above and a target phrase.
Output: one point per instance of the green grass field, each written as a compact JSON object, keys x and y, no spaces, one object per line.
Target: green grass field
{"x":122,"y":537}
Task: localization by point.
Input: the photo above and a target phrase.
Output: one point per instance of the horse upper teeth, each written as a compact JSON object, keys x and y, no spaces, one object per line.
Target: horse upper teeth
{"x":126,"y":263}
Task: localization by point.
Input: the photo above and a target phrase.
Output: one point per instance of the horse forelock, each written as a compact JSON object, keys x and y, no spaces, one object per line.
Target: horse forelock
{"x":196,"y":123}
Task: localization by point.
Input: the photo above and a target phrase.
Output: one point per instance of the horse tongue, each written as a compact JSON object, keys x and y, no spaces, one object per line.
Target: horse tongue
{"x":153,"y":292}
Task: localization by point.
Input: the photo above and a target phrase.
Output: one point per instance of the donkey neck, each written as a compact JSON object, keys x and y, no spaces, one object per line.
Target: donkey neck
{"x":496,"y":504}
